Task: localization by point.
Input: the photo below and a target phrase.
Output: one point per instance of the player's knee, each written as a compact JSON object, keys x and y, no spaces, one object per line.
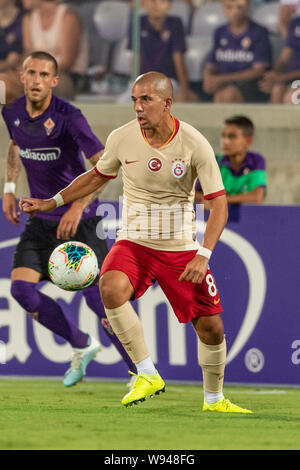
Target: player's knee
{"x":210,"y":329}
{"x":115,"y":289}
{"x":26,"y":294}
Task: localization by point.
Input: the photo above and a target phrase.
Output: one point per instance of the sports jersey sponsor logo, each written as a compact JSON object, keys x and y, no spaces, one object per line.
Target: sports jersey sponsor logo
{"x":231,"y":55}
{"x":41,"y":155}
{"x":49,"y":126}
{"x":178,"y":168}
{"x":154,"y":164}
{"x":130,"y":161}
{"x":17,"y":122}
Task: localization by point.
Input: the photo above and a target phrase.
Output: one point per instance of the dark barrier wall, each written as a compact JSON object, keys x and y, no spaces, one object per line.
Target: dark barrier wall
{"x":257,"y":269}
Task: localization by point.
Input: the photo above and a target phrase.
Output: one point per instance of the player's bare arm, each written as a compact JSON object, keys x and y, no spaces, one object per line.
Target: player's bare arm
{"x":69,"y":222}
{"x":13,"y":166}
{"x":85,"y":184}
{"x":195,"y":270}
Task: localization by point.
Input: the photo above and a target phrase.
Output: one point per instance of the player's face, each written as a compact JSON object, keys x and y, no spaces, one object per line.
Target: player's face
{"x":148,"y":105}
{"x":157,"y":8}
{"x":236,"y":10}
{"x":38,"y":78}
{"x":233,"y":141}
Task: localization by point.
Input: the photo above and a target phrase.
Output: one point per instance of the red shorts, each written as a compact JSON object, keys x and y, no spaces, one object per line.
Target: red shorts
{"x":144,"y":266}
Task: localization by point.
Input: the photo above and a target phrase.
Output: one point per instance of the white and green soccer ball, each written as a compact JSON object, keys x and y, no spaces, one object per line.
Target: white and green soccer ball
{"x":73,"y":266}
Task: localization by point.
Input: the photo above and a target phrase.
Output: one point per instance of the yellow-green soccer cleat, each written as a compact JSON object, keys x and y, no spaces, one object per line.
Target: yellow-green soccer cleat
{"x":145,"y":386}
{"x":224,"y":406}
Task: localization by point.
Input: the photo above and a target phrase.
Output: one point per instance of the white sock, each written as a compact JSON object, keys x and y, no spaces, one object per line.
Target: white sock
{"x":212,"y":397}
{"x":146,"y":367}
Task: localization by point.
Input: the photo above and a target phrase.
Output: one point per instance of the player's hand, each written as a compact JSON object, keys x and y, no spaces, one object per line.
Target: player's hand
{"x":31,"y":205}
{"x":195,"y":270}
{"x":69,"y":222}
{"x":10,"y":208}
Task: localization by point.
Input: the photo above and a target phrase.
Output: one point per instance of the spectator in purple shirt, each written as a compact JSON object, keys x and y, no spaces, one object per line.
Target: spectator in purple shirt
{"x":162,"y":47}
{"x":278,"y":81}
{"x":241,"y":54}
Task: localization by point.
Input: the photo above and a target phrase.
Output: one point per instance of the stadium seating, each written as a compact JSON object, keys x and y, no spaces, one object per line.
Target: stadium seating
{"x":195,"y":56}
{"x":206,"y":19}
{"x":99,"y":50}
{"x":112,"y":20}
{"x":122,"y":59}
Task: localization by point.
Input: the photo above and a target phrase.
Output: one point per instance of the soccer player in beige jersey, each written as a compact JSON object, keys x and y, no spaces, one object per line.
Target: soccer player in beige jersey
{"x":161,"y":158}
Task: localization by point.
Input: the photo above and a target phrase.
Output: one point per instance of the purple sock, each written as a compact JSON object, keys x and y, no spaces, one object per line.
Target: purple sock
{"x":93,"y":299}
{"x":50,"y":313}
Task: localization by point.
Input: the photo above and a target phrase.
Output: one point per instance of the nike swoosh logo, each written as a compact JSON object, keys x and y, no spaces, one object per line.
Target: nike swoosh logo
{"x":216,"y":301}
{"x":132,"y":161}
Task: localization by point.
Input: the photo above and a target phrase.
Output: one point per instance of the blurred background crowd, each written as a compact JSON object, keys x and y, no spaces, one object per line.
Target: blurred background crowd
{"x":228,"y":51}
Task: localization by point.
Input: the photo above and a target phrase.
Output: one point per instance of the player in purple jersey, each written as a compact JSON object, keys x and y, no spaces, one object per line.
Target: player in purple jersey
{"x":48,"y":135}
{"x":240,"y":55}
{"x":278,"y":81}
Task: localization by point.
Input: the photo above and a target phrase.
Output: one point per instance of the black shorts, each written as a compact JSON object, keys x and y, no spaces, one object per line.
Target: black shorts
{"x":39,"y":240}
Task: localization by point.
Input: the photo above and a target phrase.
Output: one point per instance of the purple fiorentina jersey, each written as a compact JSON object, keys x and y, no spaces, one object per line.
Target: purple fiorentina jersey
{"x":50,"y":147}
{"x":231,"y":53}
{"x":157,"y":47}
{"x":293,"y":41}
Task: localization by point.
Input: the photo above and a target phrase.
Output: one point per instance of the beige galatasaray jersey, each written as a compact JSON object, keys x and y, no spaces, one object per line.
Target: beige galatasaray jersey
{"x":158,"y":209}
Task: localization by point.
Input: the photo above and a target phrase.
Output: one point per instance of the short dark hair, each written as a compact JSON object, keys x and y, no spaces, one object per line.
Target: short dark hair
{"x":42,"y":55}
{"x":243,"y":123}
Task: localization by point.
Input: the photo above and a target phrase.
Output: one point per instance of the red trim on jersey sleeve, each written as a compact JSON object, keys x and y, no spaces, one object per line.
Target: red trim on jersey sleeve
{"x":101,"y":174}
{"x":213,"y":195}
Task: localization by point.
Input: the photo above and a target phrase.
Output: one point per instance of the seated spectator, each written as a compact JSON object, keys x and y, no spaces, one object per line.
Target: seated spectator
{"x":51,"y":26}
{"x":278,"y":81}
{"x":243,"y":172}
{"x":240,"y":55}
{"x":287,"y":11}
{"x":162,"y":47}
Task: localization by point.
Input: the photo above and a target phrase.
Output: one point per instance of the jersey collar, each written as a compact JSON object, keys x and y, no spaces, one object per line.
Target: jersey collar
{"x":176,"y":125}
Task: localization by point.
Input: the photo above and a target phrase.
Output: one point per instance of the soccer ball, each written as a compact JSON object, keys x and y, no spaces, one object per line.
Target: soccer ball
{"x":73,"y":266}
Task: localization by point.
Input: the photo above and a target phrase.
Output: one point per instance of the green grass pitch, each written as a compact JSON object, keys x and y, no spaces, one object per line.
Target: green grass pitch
{"x":42,"y":414}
